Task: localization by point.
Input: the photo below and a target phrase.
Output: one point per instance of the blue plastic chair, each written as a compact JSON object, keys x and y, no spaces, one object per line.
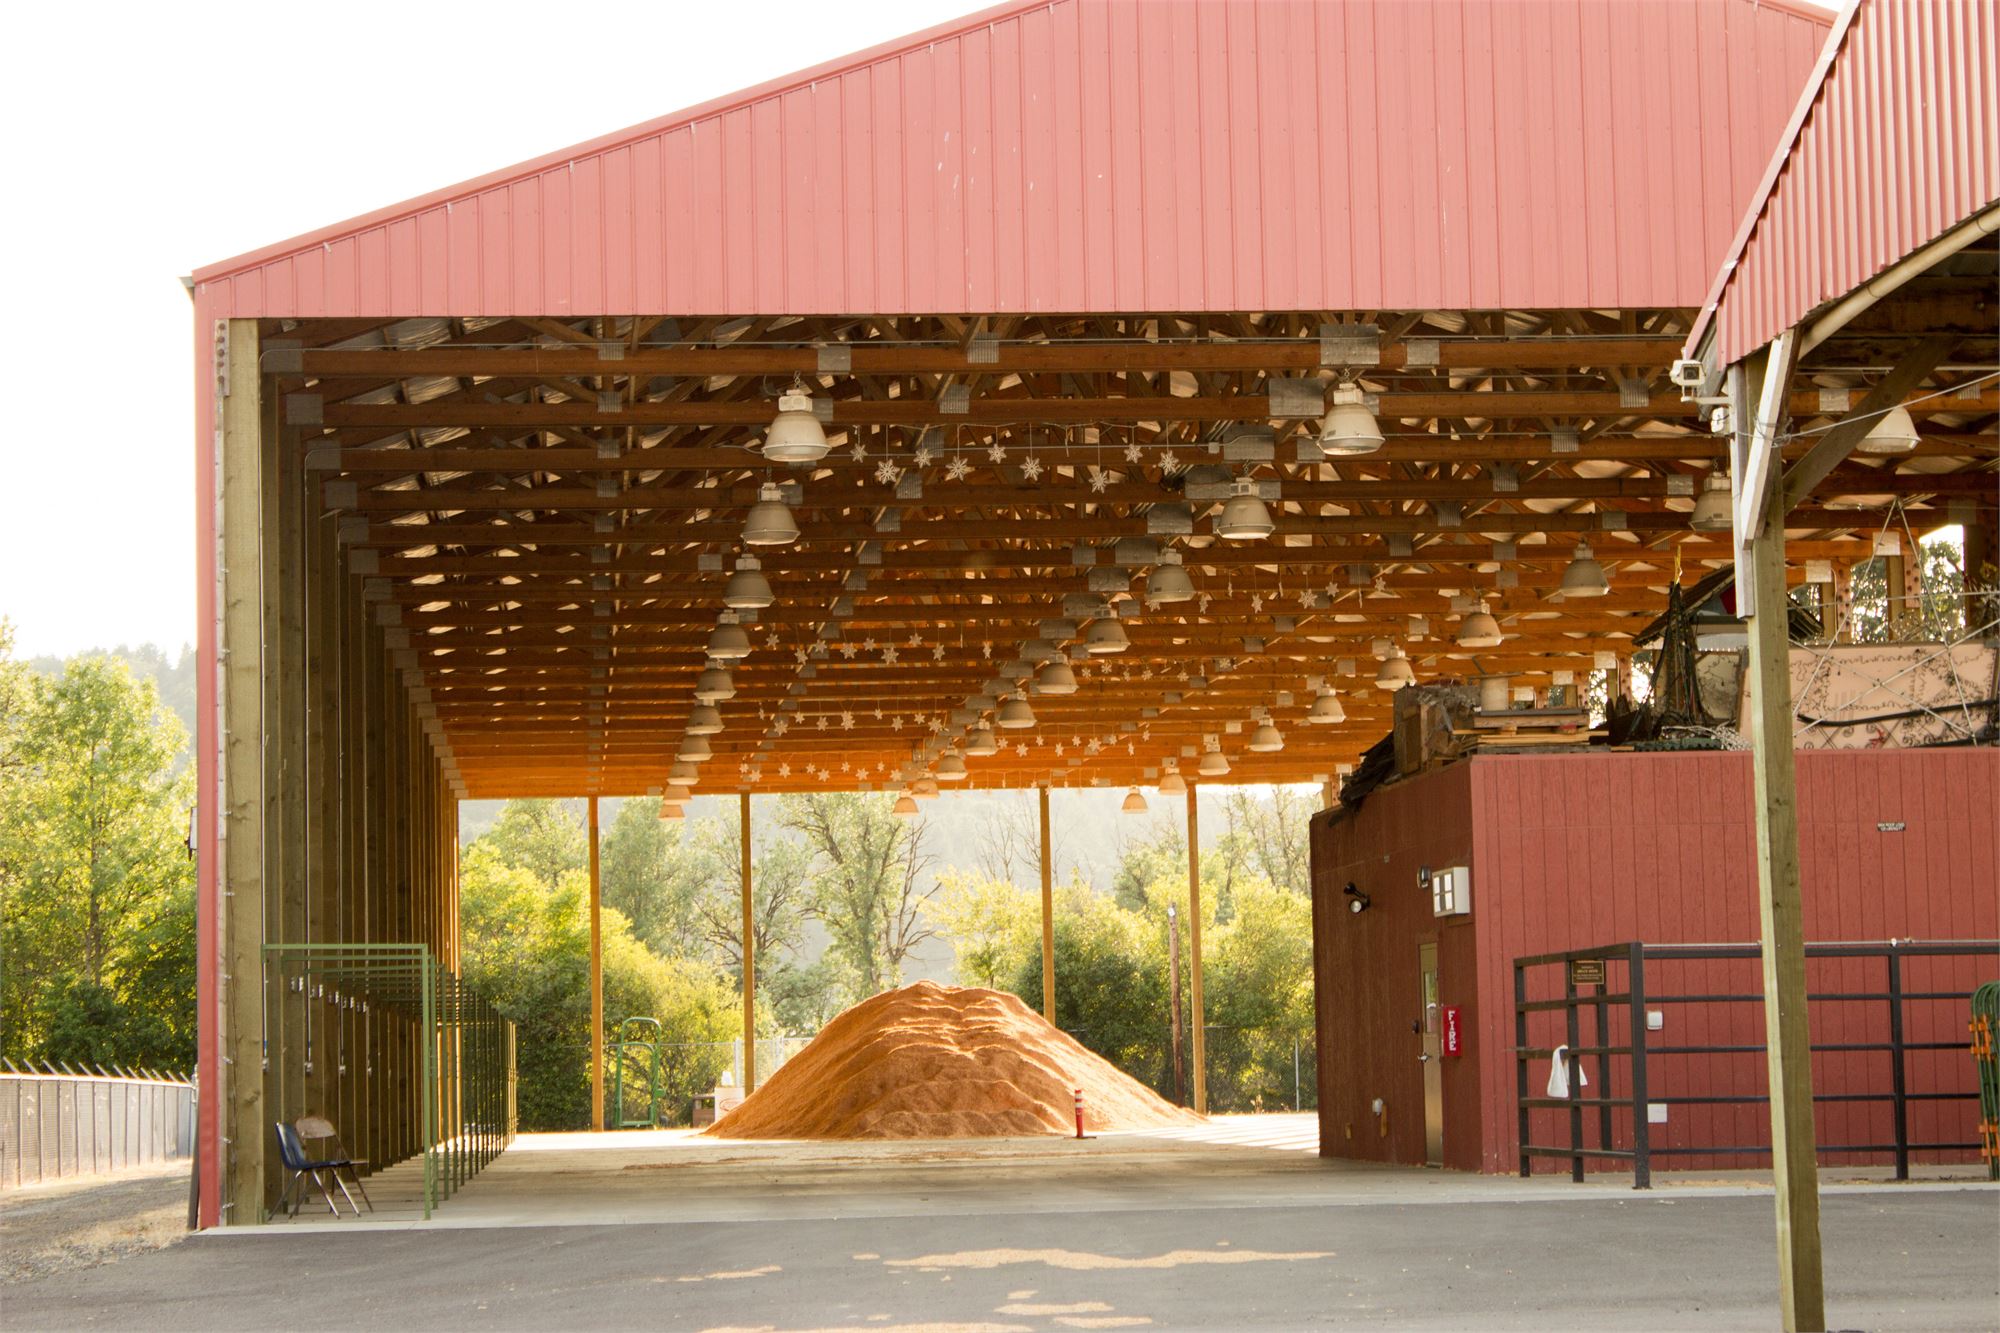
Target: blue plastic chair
{"x":292,"y":1152}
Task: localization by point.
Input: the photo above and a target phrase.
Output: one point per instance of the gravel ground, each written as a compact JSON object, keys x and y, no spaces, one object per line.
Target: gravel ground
{"x":59,"y":1228}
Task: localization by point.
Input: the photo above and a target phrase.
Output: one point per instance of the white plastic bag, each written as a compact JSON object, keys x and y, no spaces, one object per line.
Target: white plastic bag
{"x":1559,"y":1074}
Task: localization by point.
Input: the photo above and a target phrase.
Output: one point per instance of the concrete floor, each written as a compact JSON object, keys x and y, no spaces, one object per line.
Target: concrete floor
{"x":1236,"y":1225}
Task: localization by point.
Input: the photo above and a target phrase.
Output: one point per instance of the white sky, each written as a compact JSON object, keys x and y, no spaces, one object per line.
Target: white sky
{"x":146,"y":140}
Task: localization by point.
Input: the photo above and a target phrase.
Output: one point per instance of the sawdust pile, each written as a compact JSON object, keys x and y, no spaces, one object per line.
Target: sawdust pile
{"x":943,"y":1062}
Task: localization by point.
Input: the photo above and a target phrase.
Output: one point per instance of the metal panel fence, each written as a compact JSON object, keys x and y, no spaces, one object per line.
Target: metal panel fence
{"x":58,"y":1125}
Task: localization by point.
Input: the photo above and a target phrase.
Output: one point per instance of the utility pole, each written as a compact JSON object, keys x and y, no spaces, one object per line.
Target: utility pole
{"x":1174,"y":1000}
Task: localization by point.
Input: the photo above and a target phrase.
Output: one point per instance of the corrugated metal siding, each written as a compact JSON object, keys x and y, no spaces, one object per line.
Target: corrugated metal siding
{"x":1579,"y":851}
{"x":1096,"y":155}
{"x":1901,"y":144}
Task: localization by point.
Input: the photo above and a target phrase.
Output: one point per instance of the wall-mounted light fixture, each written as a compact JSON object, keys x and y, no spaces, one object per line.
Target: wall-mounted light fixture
{"x":1357,"y":901}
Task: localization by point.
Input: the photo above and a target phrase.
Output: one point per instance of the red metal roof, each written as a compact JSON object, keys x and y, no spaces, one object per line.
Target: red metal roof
{"x":1083,"y":155}
{"x":1895,"y":142}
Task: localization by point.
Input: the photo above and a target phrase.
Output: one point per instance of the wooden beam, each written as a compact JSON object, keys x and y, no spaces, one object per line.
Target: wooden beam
{"x":1787,"y":1040}
{"x":1804,"y":476}
{"x":241,"y":903}
{"x":596,"y":980}
{"x":1048,"y":914}
{"x":1195,"y":1010}
{"x":749,"y":950}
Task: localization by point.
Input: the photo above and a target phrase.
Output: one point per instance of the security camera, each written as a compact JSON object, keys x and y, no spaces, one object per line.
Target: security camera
{"x":1687,"y":373}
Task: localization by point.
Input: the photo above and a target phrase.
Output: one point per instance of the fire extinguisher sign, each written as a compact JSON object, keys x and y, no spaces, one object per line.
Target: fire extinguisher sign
{"x":1452,"y":1040}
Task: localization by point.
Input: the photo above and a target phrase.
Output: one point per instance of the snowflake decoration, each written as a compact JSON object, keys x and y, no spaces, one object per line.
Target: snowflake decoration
{"x":957,"y":468}
{"x":1133,"y":452}
{"x":1099,"y":479}
{"x":937,"y":726}
{"x":1059,"y":749}
{"x":1031,"y":468}
{"x":819,"y":723}
{"x":860,"y":451}
{"x":1205,"y":599}
{"x":889,"y":655}
{"x":868,"y":646}
{"x":937,"y":652}
{"x":1307,"y":598}
{"x":825,"y":773}
{"x":878,"y":716}
{"x":997,"y":453}
{"x":1093,"y":747}
{"x":847,"y":765}
{"x":986,"y":648}
{"x":1170,"y":461}
{"x":781,"y":726}
{"x":895,"y":723}
{"x":886,"y":472}
{"x":848,"y":650}
{"x":846,"y":724}
{"x":785,"y":769}
{"x":801,"y":654}
{"x":916,"y":639}
{"x":923,"y":456}
{"x":1256,"y":601}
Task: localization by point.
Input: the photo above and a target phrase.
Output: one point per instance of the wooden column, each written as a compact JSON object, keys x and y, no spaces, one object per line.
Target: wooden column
{"x":596,"y":982}
{"x":1048,"y":916}
{"x":749,"y":950}
{"x":1794,"y":1157}
{"x":1979,"y":608}
{"x":243,"y":815}
{"x":1195,"y":1020}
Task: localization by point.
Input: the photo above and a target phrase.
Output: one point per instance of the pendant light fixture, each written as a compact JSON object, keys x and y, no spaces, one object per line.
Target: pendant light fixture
{"x":979,"y":742}
{"x":1135,"y":804}
{"x":1169,"y":580}
{"x":1349,"y":427}
{"x":1244,"y":517}
{"x":1712,"y":506}
{"x":694,"y":749}
{"x":684,"y":774}
{"x":713,"y":685}
{"x":951,"y":769}
{"x":704,"y":720}
{"x":728,"y":642}
{"x":1106,"y":636}
{"x":1479,"y":630}
{"x":1326,"y":710}
{"x":924,"y":789}
{"x":1173,"y":784}
{"x":770,"y":522}
{"x":1015,"y":715}
{"x":677,"y":793}
{"x":795,"y":437}
{"x":1056,"y":678}
{"x":1584,"y":577}
{"x":905,"y":806}
{"x":1893,"y":433}
{"x":1266,"y":738}
{"x":1213,"y":763}
{"x":748,"y":589}
{"x":671,"y":809}
{"x":1395,"y":672}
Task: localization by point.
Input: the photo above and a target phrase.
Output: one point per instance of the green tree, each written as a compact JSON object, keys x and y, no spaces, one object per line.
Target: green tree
{"x":1273,"y":829}
{"x":1259,"y":997}
{"x":780,"y":893}
{"x":650,"y":874}
{"x":548,"y":839}
{"x":95,"y":881}
{"x":866,"y":882}
{"x":993,"y":925}
{"x":1111,"y":982}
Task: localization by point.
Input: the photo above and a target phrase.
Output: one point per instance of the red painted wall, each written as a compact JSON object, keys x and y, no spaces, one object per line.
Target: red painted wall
{"x":1575,"y":851}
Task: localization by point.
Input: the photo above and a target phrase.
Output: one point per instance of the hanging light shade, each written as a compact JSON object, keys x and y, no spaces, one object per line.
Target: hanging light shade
{"x":770,"y":522}
{"x":1349,"y":427}
{"x":1584,"y":577}
{"x":951,"y":769}
{"x":1712,"y":506}
{"x":1056,"y":678}
{"x":1893,"y":433}
{"x":1169,"y":580}
{"x":1214,"y":765}
{"x":979,"y":743}
{"x":1479,"y":630}
{"x":1135,"y":804}
{"x":677,"y":792}
{"x":693,"y":749}
{"x":1173,"y":784}
{"x":704,"y":720}
{"x":1267,"y":739}
{"x":748,"y":589}
{"x":1015,"y":714}
{"x":684,"y":774}
{"x":714,"y":685}
{"x":905,"y":806}
{"x":1326,"y":709}
{"x":795,"y":435}
{"x":1395,"y":672}
{"x":671,"y":809}
{"x":1106,"y":636}
{"x":728,"y":642}
{"x":1244,"y":517}
{"x":924,"y":789}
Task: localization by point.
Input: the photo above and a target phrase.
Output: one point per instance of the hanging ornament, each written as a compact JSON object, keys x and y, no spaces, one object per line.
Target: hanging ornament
{"x":957,"y":469}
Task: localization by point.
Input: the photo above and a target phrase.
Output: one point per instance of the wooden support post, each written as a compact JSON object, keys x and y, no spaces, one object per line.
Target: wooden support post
{"x":1794,"y":1156}
{"x":243,"y":819}
{"x":596,"y":981}
{"x":749,"y":951}
{"x":285,"y":572}
{"x":1195,"y":1012}
{"x":1895,"y":581}
{"x":1048,"y":916}
{"x":1979,"y":607}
